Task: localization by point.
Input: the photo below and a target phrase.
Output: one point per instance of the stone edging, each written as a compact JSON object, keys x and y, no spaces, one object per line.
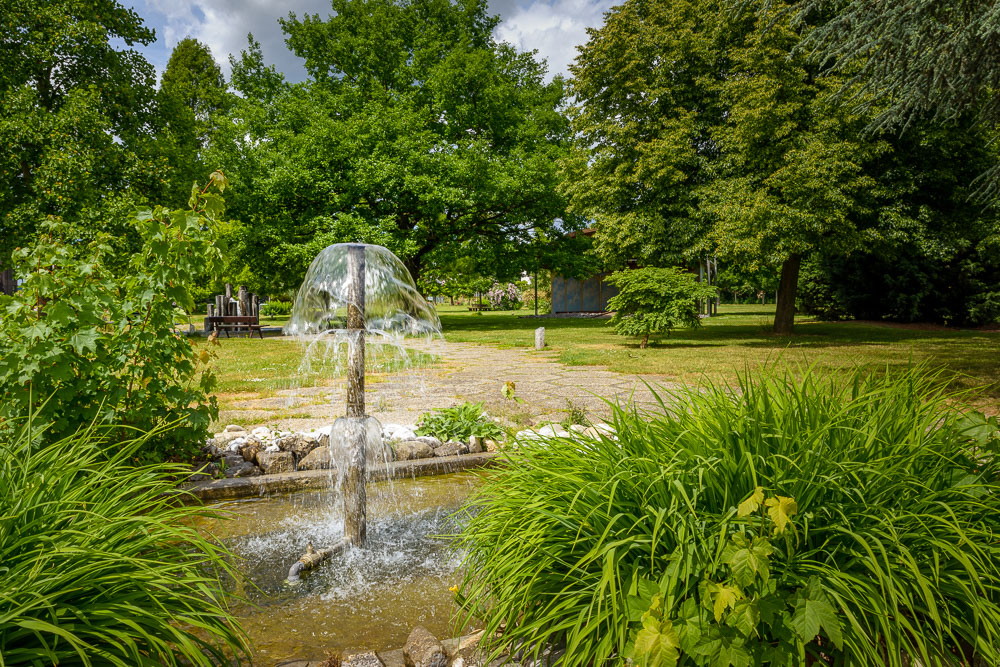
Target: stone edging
{"x":245,"y":487}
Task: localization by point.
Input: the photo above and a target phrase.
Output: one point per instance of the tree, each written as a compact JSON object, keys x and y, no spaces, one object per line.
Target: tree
{"x":415,"y":130}
{"x":192,"y":94}
{"x":705,"y":130}
{"x":76,"y":117}
{"x":912,"y":60}
{"x":654,"y":301}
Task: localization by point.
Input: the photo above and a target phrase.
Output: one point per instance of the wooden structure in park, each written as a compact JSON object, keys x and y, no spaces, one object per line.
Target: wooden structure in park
{"x":228,"y":314}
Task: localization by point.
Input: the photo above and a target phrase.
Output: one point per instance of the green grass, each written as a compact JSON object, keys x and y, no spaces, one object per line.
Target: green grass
{"x":251,"y":365}
{"x":740,"y":338}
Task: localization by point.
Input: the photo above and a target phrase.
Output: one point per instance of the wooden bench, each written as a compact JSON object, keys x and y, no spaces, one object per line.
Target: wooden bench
{"x":479,"y":307}
{"x":237,"y":323}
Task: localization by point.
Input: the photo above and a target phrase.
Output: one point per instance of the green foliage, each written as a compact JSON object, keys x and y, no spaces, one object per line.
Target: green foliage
{"x":458,"y":423}
{"x":275,"y":308}
{"x":653,"y":301}
{"x":742,"y":148}
{"x":85,"y":343}
{"x":99,"y":563}
{"x":416,"y":130}
{"x":778,"y":522}
{"x":912,"y":60}
{"x":192,"y":96}
{"x":76,"y":118}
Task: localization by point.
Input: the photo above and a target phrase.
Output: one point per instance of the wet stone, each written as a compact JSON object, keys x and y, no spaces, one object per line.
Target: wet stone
{"x":449,"y":449}
{"x":409,"y":450}
{"x":276,"y":462}
{"x":317,"y":459}
{"x":422,"y":649}
{"x":243,"y":469}
{"x":365,"y":659}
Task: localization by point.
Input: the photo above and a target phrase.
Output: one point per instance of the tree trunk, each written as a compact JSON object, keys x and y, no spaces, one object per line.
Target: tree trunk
{"x":645,"y":342}
{"x":784,"y":312}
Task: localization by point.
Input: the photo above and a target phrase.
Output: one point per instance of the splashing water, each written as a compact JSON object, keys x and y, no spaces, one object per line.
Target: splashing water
{"x":353,"y":310}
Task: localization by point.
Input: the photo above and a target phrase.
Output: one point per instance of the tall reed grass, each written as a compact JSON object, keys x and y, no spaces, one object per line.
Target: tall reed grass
{"x":895,"y":534}
{"x":99,"y":564}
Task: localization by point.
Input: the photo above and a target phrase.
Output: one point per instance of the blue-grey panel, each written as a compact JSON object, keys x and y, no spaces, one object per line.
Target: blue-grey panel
{"x":607,"y":291}
{"x":572,"y":296}
{"x":591,"y":295}
{"x":558,"y":294}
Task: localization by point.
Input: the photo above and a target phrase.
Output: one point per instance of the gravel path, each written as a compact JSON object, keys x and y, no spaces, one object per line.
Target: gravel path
{"x":465,"y":372}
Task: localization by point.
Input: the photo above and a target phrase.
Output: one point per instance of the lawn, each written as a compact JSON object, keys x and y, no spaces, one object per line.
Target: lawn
{"x":738,"y":338}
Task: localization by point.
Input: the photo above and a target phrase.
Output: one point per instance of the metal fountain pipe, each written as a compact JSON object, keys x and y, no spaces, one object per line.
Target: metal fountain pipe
{"x":355,"y":523}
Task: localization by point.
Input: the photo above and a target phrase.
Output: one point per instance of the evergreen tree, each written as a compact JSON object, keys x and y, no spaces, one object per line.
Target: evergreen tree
{"x":192,"y":94}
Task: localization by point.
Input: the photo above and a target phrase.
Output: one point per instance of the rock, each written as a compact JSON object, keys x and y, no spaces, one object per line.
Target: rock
{"x":304,"y":445}
{"x":490,"y":445}
{"x":364,"y":659}
{"x":210,"y":449}
{"x":475,"y":444}
{"x":450,"y":448}
{"x":393,"y":658}
{"x":465,"y":649}
{"x":272,"y":448}
{"x":243,"y":469}
{"x":261,"y":432}
{"x":323,"y":440}
{"x":429,"y":439}
{"x":231,"y":460}
{"x":275,"y":462}
{"x":577,"y":428}
{"x":393,"y":432}
{"x":223,"y":439}
{"x":234,"y":428}
{"x":409,"y":450}
{"x":250,"y":449}
{"x":422,"y":649}
{"x":202,"y":472}
{"x":317,"y":459}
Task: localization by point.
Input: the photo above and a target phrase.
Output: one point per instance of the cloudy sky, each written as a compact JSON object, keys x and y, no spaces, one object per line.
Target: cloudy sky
{"x":552,"y":27}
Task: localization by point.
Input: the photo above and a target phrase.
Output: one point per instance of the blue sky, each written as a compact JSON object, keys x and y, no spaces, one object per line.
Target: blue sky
{"x":553,"y":27}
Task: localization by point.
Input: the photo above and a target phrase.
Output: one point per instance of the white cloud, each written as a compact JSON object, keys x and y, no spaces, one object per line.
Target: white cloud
{"x":552,"y":27}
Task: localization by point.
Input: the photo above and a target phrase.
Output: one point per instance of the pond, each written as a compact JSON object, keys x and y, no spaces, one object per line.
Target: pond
{"x":365,"y":599}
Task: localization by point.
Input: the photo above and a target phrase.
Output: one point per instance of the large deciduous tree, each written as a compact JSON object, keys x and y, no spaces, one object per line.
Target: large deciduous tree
{"x":706,"y":129}
{"x":415,"y":130}
{"x":76,"y":115}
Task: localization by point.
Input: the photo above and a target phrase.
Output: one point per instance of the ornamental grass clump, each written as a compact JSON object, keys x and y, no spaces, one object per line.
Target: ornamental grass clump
{"x":99,"y":563}
{"x":778,"y":522}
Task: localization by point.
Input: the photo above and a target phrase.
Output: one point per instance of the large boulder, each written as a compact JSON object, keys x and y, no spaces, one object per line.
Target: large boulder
{"x":317,"y":459}
{"x":276,"y":462}
{"x":409,"y":450}
{"x":422,"y":649}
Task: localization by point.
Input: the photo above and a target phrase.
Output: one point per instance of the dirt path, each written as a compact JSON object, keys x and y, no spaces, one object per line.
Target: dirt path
{"x":465,"y":372}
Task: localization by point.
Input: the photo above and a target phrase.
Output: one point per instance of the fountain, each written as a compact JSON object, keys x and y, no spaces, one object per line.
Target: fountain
{"x":356,"y":296}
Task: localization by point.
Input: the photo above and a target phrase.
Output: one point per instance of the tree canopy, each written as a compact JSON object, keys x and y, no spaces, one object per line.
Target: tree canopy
{"x":416,"y":130}
{"x":708,"y":130}
{"x":193,"y":92}
{"x":76,"y":116}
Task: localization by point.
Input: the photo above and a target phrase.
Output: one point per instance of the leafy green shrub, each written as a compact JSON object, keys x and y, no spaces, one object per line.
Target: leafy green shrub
{"x":83,"y":342}
{"x":275,"y":308}
{"x":779,"y":522}
{"x":99,"y":563}
{"x":458,"y":423}
{"x":653,"y":301}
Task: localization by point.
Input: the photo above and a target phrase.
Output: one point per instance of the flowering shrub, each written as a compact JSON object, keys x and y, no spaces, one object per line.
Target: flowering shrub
{"x":504,"y":297}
